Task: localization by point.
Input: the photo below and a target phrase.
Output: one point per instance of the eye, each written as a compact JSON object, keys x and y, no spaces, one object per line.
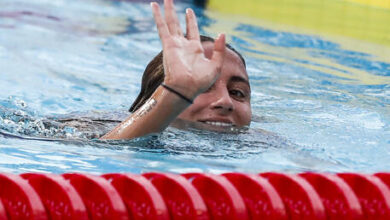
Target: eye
{"x":237,"y":93}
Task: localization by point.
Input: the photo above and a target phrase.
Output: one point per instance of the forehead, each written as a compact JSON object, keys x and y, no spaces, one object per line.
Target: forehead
{"x":232,"y":62}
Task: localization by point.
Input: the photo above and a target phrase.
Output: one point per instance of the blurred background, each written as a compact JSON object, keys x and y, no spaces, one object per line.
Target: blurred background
{"x":367,"y":20}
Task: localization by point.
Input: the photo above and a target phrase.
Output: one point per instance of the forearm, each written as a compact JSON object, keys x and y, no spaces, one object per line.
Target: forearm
{"x":154,"y":116}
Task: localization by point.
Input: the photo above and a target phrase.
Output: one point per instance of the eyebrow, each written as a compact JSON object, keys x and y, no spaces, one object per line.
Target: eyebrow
{"x":239,"y":79}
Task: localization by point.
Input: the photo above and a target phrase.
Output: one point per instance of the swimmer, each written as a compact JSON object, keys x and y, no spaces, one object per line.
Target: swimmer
{"x":195,"y":78}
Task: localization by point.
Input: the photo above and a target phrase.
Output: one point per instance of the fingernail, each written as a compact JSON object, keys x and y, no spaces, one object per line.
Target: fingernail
{"x":187,"y":10}
{"x":220,"y":36}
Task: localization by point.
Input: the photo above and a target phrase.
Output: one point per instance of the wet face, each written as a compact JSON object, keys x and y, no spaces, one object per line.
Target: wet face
{"x":227,"y":102}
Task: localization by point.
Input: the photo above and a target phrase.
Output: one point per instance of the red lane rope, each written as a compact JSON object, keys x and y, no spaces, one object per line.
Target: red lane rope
{"x":142,"y":199}
{"x":338,"y":198}
{"x":373,"y":194}
{"x":164,"y":196}
{"x":99,"y":196}
{"x":180,"y":196}
{"x":260,"y":197}
{"x":299,"y":197}
{"x":20,"y":200}
{"x":59,"y":197}
{"x":221,"y":197}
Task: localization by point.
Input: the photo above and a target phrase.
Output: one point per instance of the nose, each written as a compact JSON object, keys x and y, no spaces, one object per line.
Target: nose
{"x":223,"y":102}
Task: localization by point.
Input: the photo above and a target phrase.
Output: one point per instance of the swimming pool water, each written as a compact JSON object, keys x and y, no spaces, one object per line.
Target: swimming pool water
{"x":324,"y":99}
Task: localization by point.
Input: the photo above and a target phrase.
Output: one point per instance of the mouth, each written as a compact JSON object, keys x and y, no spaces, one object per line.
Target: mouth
{"x":211,"y":124}
{"x":218,"y":123}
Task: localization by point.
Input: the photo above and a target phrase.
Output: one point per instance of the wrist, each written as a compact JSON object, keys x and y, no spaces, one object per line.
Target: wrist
{"x":186,"y":89}
{"x":163,"y":95}
{"x":172,"y":90}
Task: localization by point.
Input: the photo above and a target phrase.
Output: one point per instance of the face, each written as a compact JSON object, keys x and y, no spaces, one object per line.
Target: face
{"x":227,"y":102}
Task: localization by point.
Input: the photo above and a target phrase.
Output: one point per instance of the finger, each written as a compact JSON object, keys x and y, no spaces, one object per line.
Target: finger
{"x":162,"y":28}
{"x":219,"y":51}
{"x":192,"y":25}
{"x":171,"y":18}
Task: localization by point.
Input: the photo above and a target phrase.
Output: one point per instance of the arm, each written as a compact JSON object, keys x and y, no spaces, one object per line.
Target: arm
{"x":154,"y":116}
{"x":186,"y":69}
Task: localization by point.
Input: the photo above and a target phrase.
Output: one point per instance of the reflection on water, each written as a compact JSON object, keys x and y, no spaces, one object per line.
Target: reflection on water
{"x":319,"y":102}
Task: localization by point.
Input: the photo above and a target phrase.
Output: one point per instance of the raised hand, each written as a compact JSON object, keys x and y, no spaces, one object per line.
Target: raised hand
{"x":187,"y":72}
{"x":186,"y":68}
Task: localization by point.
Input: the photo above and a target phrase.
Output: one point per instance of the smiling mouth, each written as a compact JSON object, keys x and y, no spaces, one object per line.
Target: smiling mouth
{"x":218,"y":123}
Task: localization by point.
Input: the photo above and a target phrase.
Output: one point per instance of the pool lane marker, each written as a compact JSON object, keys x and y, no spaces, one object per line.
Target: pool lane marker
{"x":222,"y":199}
{"x":384,"y":177}
{"x":182,"y":199}
{"x":195,"y":196}
{"x":260,"y":197}
{"x":338,"y":198}
{"x":3,"y":213}
{"x":142,"y":199}
{"x":19,"y":199}
{"x":373,"y":194}
{"x":59,"y":197}
{"x":99,"y":196}
{"x":300,"y":199}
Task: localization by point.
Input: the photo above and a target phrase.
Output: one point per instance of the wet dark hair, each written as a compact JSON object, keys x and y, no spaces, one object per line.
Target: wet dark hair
{"x":154,"y":75}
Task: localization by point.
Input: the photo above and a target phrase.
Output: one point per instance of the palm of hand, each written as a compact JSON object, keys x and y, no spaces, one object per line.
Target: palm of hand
{"x":185,"y":65}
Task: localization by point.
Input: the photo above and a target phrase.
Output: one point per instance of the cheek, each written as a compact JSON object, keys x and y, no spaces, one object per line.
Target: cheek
{"x":244,"y":114}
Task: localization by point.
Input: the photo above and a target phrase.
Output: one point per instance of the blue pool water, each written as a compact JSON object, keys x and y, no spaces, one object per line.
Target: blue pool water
{"x":322,"y":100}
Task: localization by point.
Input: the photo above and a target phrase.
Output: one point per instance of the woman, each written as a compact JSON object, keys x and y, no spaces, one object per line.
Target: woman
{"x":201,"y":82}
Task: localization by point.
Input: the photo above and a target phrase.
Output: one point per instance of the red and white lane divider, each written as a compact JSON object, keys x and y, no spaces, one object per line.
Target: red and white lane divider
{"x":163,"y":196}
